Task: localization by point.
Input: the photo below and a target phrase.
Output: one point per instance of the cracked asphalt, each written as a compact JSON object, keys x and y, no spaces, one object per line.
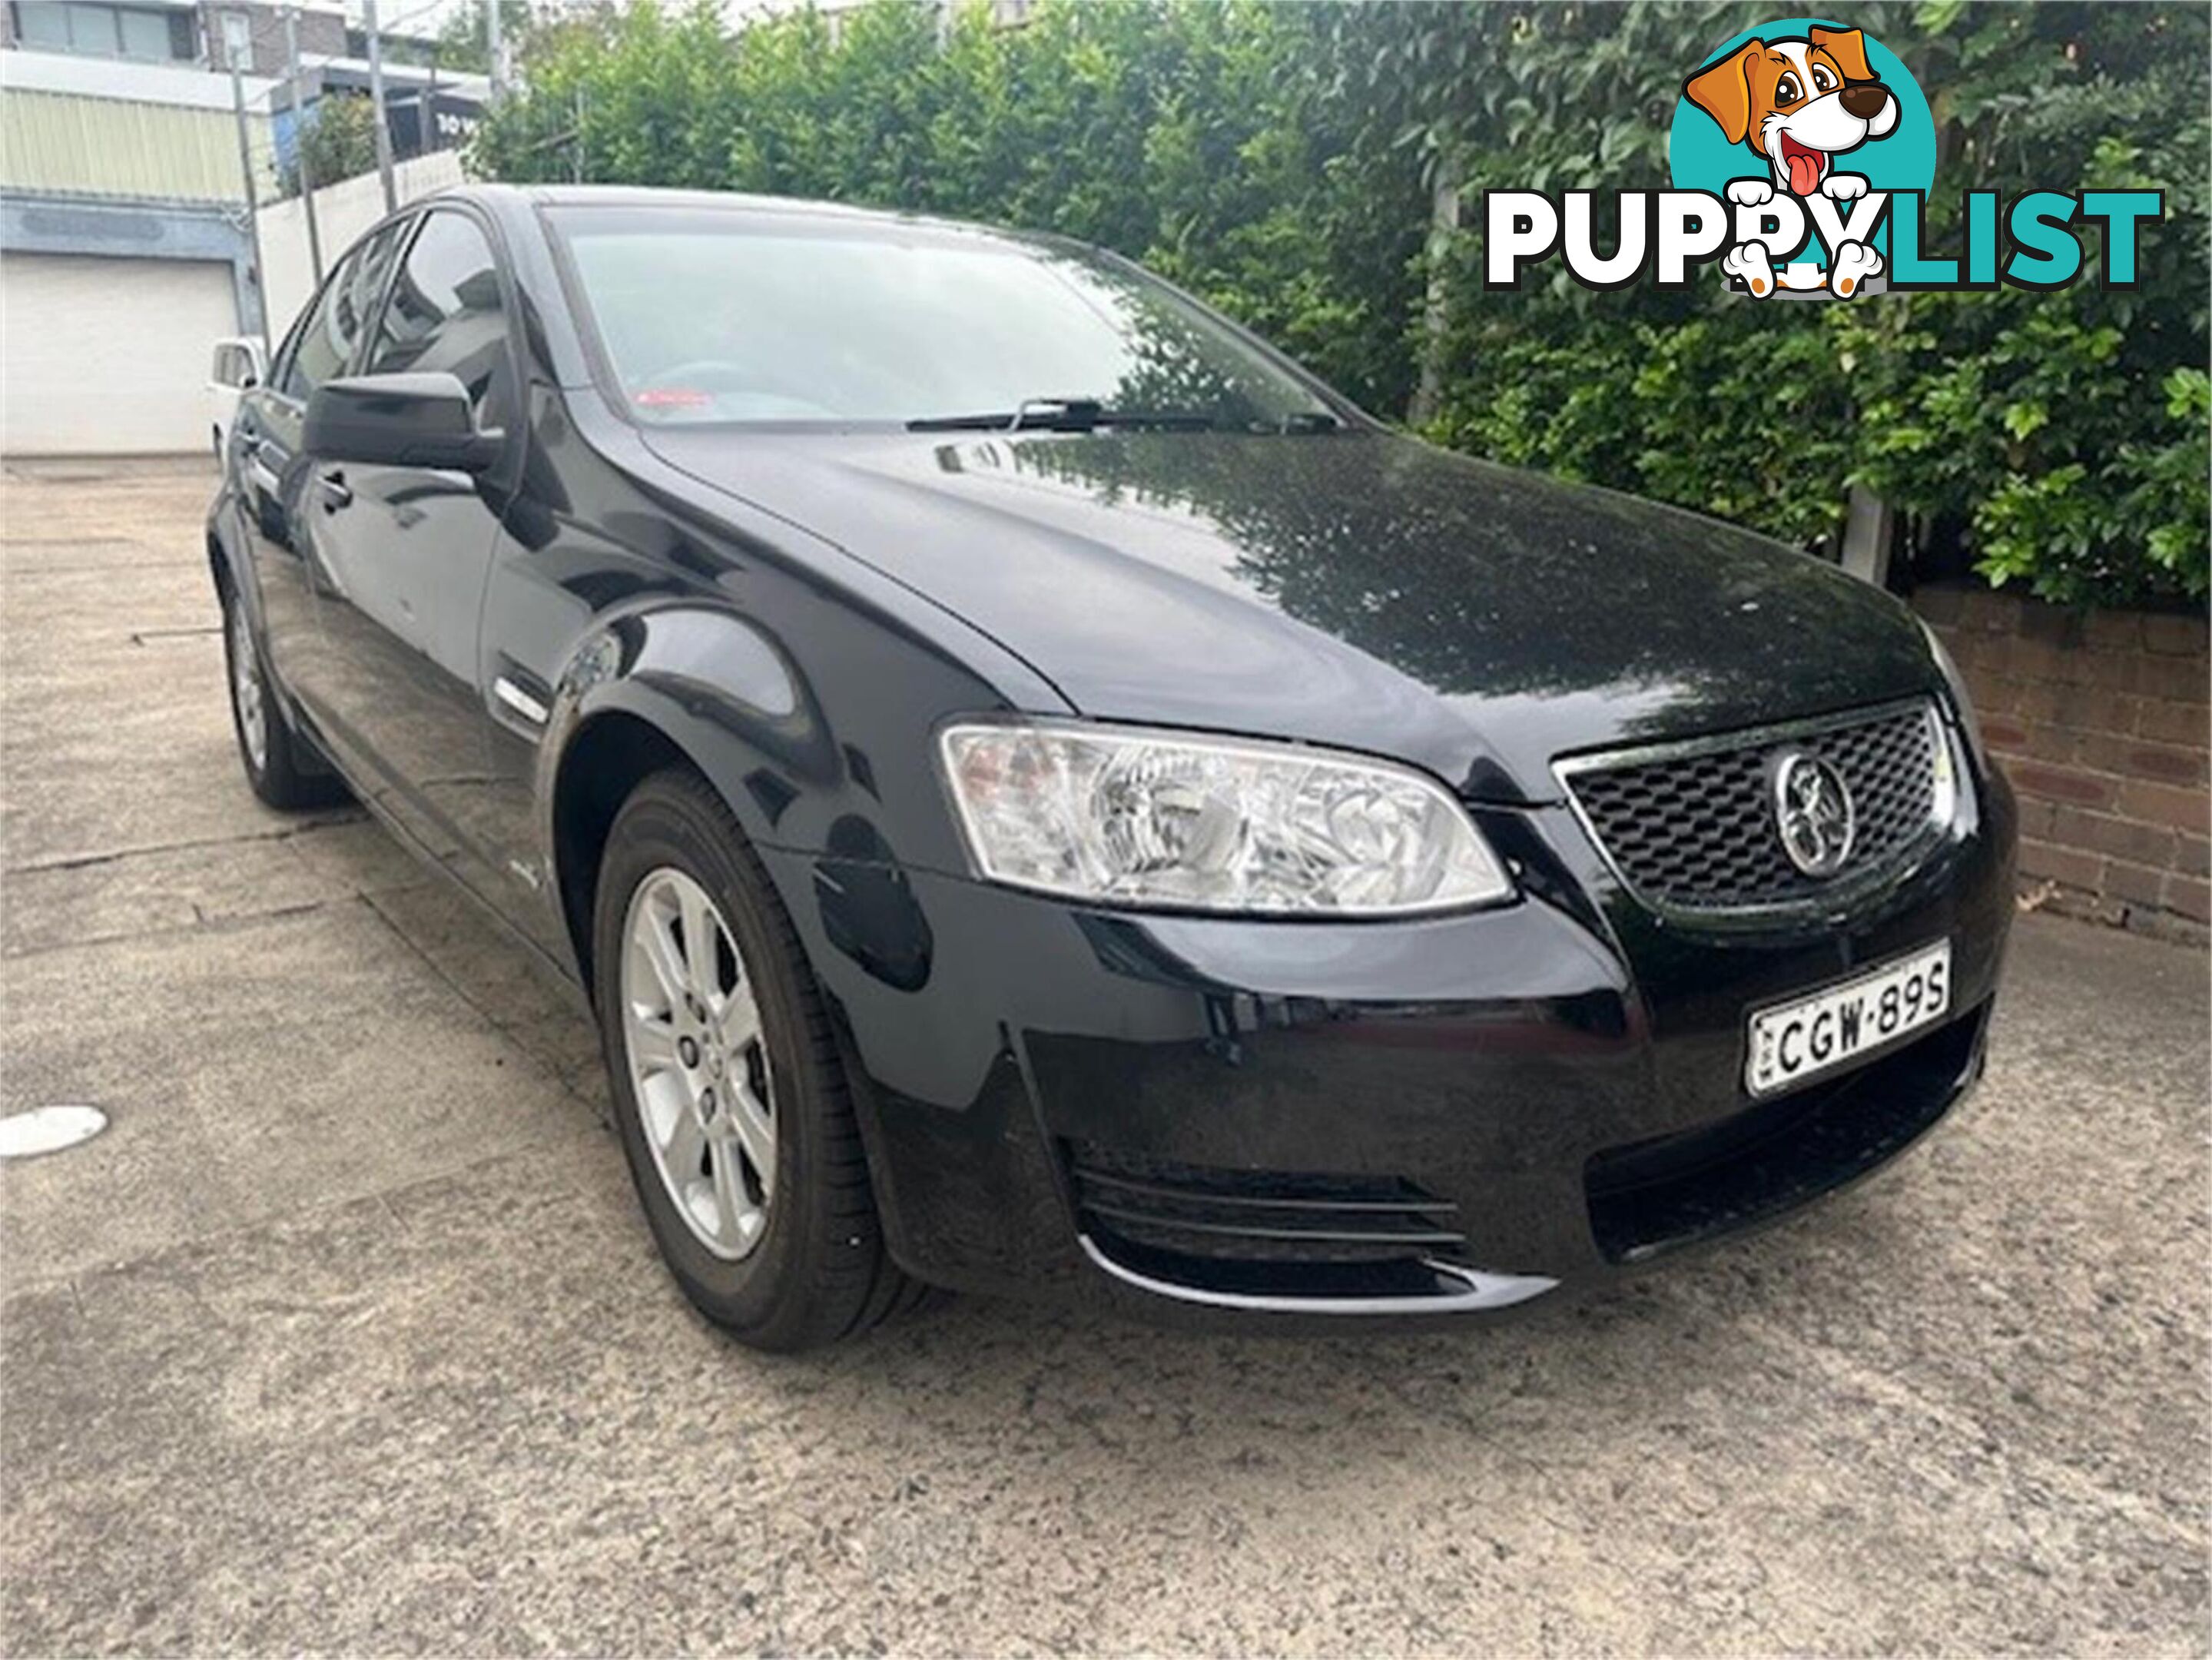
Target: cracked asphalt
{"x":346,"y":1337}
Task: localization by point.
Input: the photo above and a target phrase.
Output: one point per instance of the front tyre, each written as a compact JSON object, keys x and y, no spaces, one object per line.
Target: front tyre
{"x":729,"y":1095}
{"x":272,"y":753}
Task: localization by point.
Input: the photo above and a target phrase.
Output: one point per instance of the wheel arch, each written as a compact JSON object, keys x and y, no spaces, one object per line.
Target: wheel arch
{"x":717,"y":692}
{"x":230,"y":563}
{"x":668,"y":685}
{"x":608,"y":756}
{"x":221,"y":562}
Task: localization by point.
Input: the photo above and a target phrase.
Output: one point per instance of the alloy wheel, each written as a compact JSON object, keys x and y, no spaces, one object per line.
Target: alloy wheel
{"x":698,"y":1069}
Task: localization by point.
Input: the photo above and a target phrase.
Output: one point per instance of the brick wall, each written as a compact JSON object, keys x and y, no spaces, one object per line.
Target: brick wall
{"x":2100,"y":720}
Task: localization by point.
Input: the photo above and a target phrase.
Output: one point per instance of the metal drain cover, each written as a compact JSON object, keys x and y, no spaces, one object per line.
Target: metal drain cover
{"x":48,"y":1129}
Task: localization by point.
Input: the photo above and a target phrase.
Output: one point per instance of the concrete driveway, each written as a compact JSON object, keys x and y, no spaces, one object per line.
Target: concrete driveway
{"x":346,"y":1336}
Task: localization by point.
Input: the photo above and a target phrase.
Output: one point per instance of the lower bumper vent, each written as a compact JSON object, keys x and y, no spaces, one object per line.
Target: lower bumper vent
{"x":1278,"y":1219}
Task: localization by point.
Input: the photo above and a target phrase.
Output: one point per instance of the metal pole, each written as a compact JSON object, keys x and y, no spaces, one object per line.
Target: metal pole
{"x":300,"y":140}
{"x":1436,"y":301}
{"x":376,"y":106}
{"x":495,"y":45}
{"x":253,"y":197}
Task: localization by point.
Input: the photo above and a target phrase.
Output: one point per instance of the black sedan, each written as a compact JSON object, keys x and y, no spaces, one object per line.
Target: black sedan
{"x":1042,"y":795}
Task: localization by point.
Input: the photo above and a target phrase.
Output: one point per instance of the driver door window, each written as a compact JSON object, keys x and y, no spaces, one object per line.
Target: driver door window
{"x":317,"y":353}
{"x":445,"y":312}
{"x":323,"y":348}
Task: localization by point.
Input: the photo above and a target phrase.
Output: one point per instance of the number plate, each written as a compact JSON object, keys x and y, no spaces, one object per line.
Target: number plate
{"x":1792,"y":1043}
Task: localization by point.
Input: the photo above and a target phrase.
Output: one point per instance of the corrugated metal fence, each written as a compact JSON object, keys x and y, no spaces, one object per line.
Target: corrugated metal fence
{"x":60,"y":143}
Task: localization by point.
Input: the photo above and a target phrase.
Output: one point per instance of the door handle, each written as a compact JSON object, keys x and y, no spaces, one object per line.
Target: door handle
{"x":336,"y":493}
{"x":258,"y":452}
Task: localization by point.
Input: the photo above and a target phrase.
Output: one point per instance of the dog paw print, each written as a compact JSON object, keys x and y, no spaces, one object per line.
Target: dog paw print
{"x":1747,"y":262}
{"x":1753,"y":192}
{"x":1855,"y":263}
{"x":1843,"y":186}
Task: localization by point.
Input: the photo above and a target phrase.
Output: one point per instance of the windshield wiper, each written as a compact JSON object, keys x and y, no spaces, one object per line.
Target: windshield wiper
{"x":1088,"y":415}
{"x":1063,"y":414}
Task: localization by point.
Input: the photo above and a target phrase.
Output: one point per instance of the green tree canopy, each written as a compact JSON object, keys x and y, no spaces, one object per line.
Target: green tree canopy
{"x":462,"y":42}
{"x":1278,"y":160}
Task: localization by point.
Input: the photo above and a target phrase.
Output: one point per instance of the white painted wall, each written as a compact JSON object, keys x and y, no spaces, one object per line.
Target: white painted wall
{"x":185,"y":86}
{"x":108,"y":357}
{"x":343,"y":212}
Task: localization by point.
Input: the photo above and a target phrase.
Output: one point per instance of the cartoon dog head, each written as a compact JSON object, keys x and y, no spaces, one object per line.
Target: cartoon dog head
{"x":1797,"y":102}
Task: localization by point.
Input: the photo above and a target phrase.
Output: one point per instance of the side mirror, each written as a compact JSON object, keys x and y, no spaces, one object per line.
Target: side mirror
{"x":399,"y":421}
{"x":237,"y":364}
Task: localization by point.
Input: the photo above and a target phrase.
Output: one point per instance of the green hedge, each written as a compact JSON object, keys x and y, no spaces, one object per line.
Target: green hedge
{"x":1279,"y":159}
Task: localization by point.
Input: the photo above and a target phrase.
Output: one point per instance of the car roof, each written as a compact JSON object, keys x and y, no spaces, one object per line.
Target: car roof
{"x":639,"y":196}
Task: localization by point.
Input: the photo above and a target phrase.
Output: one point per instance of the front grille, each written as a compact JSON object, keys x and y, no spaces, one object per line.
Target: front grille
{"x":1257,"y":1217}
{"x":1692,"y":827}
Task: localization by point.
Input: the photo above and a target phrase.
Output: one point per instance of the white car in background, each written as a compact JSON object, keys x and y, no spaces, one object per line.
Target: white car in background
{"x":237,"y":364}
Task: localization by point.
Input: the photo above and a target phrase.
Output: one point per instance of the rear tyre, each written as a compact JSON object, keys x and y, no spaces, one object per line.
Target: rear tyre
{"x":273,"y":754}
{"x":729,"y":1095}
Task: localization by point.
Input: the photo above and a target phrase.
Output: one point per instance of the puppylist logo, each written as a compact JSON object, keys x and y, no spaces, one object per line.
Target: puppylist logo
{"x":1801,"y":155}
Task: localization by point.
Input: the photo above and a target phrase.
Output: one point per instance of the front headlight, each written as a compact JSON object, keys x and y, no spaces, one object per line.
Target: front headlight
{"x":1961,"y":705}
{"x":1130,"y":816}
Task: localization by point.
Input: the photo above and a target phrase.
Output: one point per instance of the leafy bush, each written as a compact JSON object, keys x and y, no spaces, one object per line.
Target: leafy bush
{"x":1278,"y":160}
{"x":338,"y":139}
{"x":2056,"y":432}
{"x":1205,"y":139}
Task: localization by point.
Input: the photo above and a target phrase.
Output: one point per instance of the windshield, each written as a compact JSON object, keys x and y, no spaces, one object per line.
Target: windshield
{"x":730,"y":315}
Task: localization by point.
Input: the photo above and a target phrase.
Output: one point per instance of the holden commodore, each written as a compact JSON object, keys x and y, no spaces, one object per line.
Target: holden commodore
{"x":1039,"y":793}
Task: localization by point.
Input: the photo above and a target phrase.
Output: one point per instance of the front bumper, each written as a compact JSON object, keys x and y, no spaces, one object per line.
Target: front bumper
{"x":1204,"y":1118}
